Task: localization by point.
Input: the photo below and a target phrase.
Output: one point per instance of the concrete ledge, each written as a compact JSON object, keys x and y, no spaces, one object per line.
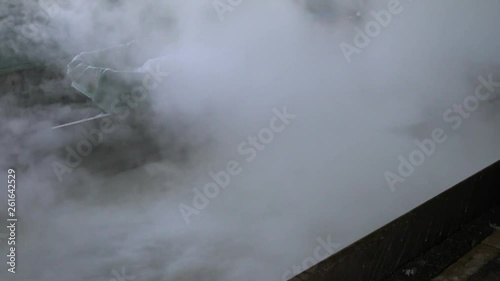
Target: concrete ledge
{"x":473,"y":261}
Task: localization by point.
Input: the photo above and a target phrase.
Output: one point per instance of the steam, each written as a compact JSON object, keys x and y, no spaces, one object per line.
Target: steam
{"x":323,"y":175}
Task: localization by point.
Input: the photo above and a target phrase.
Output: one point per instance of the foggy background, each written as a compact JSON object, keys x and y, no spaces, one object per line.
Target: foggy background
{"x":323,"y":175}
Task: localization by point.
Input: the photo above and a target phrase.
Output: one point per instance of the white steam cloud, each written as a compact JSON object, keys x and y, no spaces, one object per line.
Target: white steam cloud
{"x":321,"y":176}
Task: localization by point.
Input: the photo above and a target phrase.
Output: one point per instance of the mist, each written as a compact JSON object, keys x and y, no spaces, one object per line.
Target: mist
{"x":233,"y":74}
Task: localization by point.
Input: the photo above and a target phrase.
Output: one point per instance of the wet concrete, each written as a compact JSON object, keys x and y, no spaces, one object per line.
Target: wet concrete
{"x":471,"y":254}
{"x":472,"y":264}
{"x":489,"y":272}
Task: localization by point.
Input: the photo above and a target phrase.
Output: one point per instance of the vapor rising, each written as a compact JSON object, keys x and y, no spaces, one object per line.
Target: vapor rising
{"x":321,"y":176}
